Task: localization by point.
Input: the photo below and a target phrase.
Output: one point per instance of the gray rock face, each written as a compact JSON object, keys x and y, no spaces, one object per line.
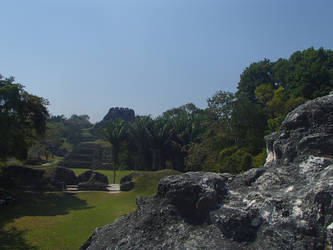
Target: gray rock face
{"x":286,"y":204}
{"x":307,"y":130}
{"x":91,"y":180}
{"x":193,"y":194}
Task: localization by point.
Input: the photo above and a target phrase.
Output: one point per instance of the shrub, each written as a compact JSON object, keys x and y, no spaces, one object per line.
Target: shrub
{"x":259,"y":159}
{"x":234,"y":160}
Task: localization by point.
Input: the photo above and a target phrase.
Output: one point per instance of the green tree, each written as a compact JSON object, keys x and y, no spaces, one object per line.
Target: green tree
{"x":234,"y":160}
{"x":116,"y":133}
{"x":73,"y":128}
{"x":310,"y":73}
{"x":160,"y":138}
{"x":253,"y":76}
{"x":248,"y":125}
{"x":221,"y":104}
{"x":139,"y":143}
{"x":22,"y":119}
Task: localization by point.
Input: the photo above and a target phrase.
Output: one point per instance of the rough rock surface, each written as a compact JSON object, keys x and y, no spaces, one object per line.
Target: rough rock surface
{"x":307,"y":130}
{"x":286,"y":204}
{"x":91,"y":180}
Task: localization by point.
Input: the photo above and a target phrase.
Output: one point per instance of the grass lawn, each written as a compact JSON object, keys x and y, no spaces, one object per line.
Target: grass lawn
{"x":65,"y":221}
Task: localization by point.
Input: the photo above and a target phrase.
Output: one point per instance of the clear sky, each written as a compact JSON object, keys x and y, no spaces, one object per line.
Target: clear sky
{"x":86,"y":56}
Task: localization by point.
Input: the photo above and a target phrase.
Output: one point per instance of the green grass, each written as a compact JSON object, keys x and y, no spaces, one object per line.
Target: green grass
{"x":65,"y":221}
{"x":108,"y":173}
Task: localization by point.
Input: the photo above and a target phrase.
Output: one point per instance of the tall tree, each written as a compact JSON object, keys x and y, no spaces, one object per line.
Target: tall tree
{"x":22,"y":119}
{"x":160,"y":138}
{"x":116,"y":133}
{"x":139,"y":143}
{"x":253,"y":76}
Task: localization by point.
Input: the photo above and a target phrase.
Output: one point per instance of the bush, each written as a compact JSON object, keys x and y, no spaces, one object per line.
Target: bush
{"x":234,"y":160}
{"x":259,"y":159}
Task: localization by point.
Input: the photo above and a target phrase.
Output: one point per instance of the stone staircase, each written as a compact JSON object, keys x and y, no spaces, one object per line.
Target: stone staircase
{"x":111,"y":188}
{"x":72,"y":188}
{"x":89,"y":155}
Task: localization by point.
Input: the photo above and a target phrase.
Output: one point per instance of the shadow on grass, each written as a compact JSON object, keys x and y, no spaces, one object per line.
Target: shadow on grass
{"x":42,"y":204}
{"x":34,"y":204}
{"x":13,"y":239}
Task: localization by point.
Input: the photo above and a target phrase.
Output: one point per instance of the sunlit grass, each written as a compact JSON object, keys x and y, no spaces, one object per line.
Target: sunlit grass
{"x":65,"y":221}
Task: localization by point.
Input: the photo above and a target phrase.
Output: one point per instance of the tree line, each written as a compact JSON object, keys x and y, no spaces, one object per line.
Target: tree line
{"x":227,"y":136}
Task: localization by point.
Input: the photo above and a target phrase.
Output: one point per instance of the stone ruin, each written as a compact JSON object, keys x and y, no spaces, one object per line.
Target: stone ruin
{"x":125,"y":114}
{"x":88,"y":155}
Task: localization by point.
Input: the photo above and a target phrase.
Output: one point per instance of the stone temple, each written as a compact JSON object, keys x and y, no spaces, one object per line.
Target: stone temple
{"x":125,"y":114}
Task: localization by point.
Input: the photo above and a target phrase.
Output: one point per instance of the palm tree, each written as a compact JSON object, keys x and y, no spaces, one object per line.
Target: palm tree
{"x":140,"y":140}
{"x":187,"y":128}
{"x":160,"y":137}
{"x":116,"y":133}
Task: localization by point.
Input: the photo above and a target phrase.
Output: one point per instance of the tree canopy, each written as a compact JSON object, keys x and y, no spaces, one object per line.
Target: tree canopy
{"x":23,"y":118}
{"x":228,"y":136}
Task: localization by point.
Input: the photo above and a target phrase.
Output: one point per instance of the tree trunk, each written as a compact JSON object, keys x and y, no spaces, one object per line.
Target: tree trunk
{"x":115,"y":164}
{"x":154,"y":160}
{"x":114,"y":173}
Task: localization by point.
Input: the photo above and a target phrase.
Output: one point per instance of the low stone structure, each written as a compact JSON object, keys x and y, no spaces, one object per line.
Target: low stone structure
{"x":127,"y":183}
{"x":91,"y":180}
{"x":286,"y":204}
{"x":127,"y":186}
{"x":51,"y":179}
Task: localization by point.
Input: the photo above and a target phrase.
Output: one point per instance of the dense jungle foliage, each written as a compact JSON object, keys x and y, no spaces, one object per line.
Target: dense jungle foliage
{"x":227,"y":136}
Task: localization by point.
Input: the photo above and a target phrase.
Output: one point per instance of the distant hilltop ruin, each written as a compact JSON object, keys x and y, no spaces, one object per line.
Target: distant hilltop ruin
{"x":125,"y":114}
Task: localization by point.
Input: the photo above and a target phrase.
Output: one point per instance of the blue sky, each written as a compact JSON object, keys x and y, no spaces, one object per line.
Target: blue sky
{"x":86,"y":56}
